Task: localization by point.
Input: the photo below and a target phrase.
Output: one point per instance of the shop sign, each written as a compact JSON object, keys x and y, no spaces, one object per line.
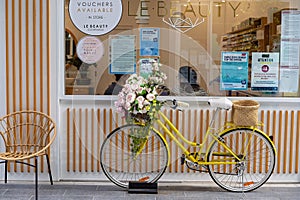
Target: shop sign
{"x":149,"y":42}
{"x":234,"y":71}
{"x":122,"y":54}
{"x":89,"y":49}
{"x":96,"y":17}
{"x":265,"y":71}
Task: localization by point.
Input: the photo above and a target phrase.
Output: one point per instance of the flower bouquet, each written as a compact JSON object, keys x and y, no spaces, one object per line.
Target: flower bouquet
{"x":137,"y":101}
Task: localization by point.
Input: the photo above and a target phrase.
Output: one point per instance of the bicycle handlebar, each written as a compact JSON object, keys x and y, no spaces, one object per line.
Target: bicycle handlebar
{"x":221,"y":103}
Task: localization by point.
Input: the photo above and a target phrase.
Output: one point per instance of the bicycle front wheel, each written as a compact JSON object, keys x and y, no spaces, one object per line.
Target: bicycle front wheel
{"x":256,"y":165}
{"x":133,"y":153}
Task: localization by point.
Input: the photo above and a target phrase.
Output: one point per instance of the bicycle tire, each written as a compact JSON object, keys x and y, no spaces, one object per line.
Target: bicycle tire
{"x":122,"y":165}
{"x":254,"y":169}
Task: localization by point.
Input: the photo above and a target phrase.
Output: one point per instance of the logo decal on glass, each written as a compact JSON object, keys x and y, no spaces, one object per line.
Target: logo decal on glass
{"x":95,"y":17}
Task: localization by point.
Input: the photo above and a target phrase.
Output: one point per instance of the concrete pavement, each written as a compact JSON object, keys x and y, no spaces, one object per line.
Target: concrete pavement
{"x":166,"y":191}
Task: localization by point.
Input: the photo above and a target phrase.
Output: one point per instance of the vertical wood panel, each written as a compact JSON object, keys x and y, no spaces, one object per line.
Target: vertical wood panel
{"x":291,"y":142}
{"x":86,"y":139}
{"x":27,"y":81}
{"x":285,"y":139}
{"x":22,"y":79}
{"x":176,"y":123}
{"x":74,"y":139}
{"x":184,"y":131}
{"x":80,"y":140}
{"x":48,"y":60}
{"x":279,"y":142}
{"x":20,"y":48}
{"x":68,"y":140}
{"x":297,"y":143}
{"x":83,"y":120}
{"x":34,"y":57}
{"x":98,"y":138}
{"x":8,"y":61}
{"x":92,"y":140}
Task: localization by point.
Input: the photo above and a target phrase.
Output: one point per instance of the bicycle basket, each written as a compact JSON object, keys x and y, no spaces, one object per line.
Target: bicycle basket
{"x":245,"y":112}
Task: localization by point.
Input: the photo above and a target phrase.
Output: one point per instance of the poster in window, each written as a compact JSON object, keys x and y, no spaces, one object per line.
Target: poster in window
{"x":265,"y":71}
{"x":234,"y":71}
{"x":95,"y":17}
{"x":89,"y":49}
{"x":122,"y":54}
{"x":289,"y":51}
{"x":146,"y":66}
{"x":149,"y":42}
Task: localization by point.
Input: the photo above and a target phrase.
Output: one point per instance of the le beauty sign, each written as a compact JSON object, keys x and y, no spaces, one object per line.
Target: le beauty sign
{"x":96,"y":17}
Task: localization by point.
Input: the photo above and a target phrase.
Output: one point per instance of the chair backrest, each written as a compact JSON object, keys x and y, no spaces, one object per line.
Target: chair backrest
{"x":27,"y":133}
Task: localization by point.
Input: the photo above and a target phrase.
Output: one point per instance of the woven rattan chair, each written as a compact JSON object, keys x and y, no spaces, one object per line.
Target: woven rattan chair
{"x":26,"y":135}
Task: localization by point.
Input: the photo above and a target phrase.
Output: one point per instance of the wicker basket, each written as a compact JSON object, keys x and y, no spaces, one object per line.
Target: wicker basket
{"x":245,"y":112}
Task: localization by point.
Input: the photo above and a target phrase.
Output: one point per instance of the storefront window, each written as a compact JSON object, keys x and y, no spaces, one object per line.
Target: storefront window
{"x":206,"y":47}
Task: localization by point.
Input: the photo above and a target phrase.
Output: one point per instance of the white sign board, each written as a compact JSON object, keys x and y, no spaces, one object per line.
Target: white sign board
{"x":95,"y":17}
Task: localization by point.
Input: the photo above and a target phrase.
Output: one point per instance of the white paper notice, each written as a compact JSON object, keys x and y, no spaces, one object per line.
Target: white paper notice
{"x":289,"y":51}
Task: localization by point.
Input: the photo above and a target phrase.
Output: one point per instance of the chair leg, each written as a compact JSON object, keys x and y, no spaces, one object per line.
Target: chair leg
{"x":49,"y":169}
{"x":5,"y":175}
{"x":36,"y":177}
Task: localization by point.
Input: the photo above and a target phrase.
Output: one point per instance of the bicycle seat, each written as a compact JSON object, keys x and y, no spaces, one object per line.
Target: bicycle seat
{"x":222,"y":103}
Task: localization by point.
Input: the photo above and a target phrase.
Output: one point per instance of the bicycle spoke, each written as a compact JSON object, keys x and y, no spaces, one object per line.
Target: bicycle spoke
{"x":253,"y":168}
{"x":122,"y":164}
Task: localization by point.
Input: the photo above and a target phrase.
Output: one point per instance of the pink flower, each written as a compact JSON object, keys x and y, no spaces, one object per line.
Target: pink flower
{"x":120,"y":110}
{"x":127,"y":106}
{"x":140,"y":90}
{"x":134,"y":87}
{"x":130,"y":97}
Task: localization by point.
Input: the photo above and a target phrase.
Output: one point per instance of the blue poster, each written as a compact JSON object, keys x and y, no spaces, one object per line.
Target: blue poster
{"x":149,"y":42}
{"x":234,"y":71}
{"x":122,"y":54}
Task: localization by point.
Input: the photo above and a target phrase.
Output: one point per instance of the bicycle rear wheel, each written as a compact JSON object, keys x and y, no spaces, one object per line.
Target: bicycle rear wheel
{"x":127,"y":155}
{"x":257,"y":163}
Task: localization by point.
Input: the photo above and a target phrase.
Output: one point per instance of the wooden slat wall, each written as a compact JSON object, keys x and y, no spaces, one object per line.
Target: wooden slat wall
{"x":82,"y":149}
{"x":27,"y":32}
{"x":27,"y":55}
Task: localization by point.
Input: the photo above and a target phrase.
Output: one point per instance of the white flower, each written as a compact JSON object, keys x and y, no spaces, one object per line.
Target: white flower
{"x":146,"y":103}
{"x":150,"y":97}
{"x":130,"y":97}
{"x":140,"y":99}
{"x":134,"y":86}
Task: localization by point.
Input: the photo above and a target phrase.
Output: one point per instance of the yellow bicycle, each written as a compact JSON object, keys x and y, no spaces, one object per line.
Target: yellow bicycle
{"x":238,"y":158}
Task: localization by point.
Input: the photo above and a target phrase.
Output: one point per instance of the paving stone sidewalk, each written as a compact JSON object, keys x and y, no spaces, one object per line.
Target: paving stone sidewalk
{"x":166,"y":191}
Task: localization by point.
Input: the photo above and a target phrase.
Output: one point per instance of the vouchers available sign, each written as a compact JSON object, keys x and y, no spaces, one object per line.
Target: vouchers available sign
{"x":96,"y":17}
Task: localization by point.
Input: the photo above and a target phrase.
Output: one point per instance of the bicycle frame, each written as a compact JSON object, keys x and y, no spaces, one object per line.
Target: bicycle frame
{"x":214,"y":134}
